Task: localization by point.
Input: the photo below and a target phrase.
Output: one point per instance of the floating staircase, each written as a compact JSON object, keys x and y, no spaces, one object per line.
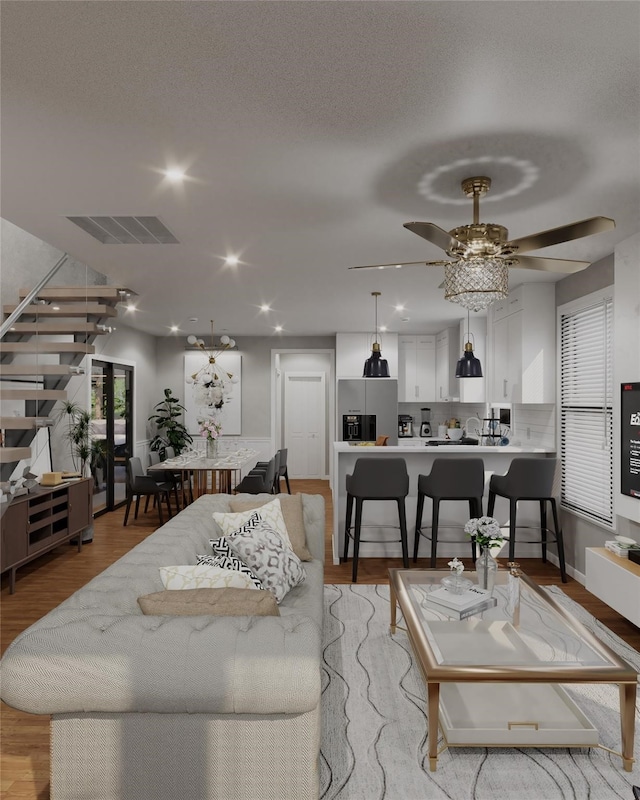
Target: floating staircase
{"x":44,"y":348}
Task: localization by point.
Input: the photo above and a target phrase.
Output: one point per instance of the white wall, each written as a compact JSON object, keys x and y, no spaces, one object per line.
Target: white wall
{"x":256,"y":372}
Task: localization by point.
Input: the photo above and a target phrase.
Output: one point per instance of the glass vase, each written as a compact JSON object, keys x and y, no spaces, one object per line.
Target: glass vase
{"x":212,"y":448}
{"x":486,"y":568}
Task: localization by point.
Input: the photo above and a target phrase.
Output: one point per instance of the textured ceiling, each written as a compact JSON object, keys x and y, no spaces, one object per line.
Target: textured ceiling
{"x":310,"y":131}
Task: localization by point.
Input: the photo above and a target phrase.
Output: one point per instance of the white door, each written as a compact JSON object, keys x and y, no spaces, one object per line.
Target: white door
{"x":304,"y":424}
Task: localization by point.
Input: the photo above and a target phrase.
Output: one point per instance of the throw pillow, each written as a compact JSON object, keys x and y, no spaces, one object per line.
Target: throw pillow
{"x":271,"y":512}
{"x":230,"y":602}
{"x":291,"y":505}
{"x":263,"y":551}
{"x":202,"y":576}
{"x":230,"y":562}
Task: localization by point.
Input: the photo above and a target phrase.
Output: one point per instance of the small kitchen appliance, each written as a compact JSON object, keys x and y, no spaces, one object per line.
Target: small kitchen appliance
{"x":425,"y":425}
{"x":405,"y":426}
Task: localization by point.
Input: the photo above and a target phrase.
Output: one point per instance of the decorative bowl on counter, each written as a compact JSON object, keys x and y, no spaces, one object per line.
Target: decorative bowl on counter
{"x":455,"y":434}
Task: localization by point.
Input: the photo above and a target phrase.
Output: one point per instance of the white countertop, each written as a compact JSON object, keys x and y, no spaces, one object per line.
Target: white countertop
{"x":346,"y":447}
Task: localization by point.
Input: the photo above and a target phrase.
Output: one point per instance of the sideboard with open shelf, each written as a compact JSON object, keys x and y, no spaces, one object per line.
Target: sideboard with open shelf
{"x":35,"y":523}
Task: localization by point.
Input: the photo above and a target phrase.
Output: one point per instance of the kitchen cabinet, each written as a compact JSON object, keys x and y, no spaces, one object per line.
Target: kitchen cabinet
{"x":523,"y":350}
{"x":35,"y":523}
{"x":473,"y":390}
{"x":353,"y":349}
{"x":447,"y":356}
{"x":416,"y":368}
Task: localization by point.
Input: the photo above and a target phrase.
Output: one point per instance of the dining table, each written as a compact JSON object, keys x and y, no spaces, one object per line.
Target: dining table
{"x":210,"y":475}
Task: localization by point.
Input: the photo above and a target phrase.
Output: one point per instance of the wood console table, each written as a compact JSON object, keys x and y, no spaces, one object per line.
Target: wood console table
{"x":35,"y":523}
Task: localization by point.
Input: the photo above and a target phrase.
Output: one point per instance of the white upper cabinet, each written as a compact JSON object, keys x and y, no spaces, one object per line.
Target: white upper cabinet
{"x":447,"y":385}
{"x":522,"y":331}
{"x":416,"y":368}
{"x":353,"y":349}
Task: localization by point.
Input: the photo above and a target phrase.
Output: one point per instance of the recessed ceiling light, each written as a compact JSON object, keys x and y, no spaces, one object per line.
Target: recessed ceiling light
{"x":398,"y":266}
{"x":56,"y":308}
{"x":175,"y":174}
{"x":265,"y":307}
{"x":174,"y":329}
{"x":131,"y":307}
{"x":383,"y":328}
{"x":231,"y":261}
{"x":400,"y":308}
{"x":278,"y":328}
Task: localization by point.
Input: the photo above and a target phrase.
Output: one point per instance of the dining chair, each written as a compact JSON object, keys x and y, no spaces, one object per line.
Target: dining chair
{"x":141,"y":485}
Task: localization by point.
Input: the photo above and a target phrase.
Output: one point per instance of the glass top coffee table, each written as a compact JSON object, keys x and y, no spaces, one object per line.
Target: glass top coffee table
{"x":493,"y":678}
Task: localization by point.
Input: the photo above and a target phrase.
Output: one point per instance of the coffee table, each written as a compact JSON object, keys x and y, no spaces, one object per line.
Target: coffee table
{"x":493,"y":679}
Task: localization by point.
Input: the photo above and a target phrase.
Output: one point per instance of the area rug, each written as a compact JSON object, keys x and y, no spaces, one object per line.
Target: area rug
{"x":374,"y":738}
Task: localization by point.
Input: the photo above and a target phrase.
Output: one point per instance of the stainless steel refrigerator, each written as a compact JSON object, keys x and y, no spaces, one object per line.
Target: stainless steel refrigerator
{"x":367,"y":397}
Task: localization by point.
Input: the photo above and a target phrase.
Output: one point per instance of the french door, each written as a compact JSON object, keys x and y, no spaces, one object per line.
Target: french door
{"x":112,"y":432}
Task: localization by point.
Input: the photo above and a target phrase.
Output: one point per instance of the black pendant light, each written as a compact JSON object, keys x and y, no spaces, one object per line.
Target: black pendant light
{"x":468,"y":366}
{"x":375,"y":366}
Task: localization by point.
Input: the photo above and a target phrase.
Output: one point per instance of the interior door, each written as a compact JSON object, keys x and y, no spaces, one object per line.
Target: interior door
{"x":305,"y":412}
{"x":112,"y":432}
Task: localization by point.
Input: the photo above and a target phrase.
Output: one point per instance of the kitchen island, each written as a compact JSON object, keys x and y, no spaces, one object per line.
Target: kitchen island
{"x":419,"y":458}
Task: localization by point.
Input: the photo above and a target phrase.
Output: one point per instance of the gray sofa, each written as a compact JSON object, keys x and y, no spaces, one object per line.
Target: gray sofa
{"x":158,"y":707}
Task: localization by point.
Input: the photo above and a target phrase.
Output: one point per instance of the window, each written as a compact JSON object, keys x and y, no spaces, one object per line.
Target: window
{"x":586,"y":407}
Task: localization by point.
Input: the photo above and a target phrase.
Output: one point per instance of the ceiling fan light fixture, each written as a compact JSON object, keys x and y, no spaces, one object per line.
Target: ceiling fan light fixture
{"x":475,"y":283}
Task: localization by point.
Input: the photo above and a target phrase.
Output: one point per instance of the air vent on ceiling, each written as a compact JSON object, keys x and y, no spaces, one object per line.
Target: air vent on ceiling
{"x":125,"y":230}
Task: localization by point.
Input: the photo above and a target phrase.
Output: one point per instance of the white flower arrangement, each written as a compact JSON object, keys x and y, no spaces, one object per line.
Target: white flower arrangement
{"x":209,"y":428}
{"x":485,"y":530}
{"x":457,"y":567}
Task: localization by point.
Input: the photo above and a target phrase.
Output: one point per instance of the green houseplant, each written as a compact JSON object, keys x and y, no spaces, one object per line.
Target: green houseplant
{"x":78,"y":434}
{"x":170,"y":432}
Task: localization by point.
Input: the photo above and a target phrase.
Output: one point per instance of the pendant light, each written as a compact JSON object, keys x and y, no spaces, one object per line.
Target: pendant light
{"x":468,"y":366}
{"x":375,"y":366}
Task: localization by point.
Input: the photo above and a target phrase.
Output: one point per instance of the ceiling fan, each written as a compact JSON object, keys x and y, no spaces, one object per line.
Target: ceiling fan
{"x":481,"y":253}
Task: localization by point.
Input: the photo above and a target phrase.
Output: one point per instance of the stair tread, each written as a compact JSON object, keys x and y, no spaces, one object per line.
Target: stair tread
{"x":71,"y":293}
{"x":32,"y":394}
{"x":76,"y":310}
{"x":21,"y":423}
{"x":39,"y":346}
{"x":10,"y":454}
{"x":55,"y":328}
{"x":37,"y":369}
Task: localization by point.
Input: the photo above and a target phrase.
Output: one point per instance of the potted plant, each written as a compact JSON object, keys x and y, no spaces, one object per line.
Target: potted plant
{"x":170,"y":432}
{"x":78,"y":434}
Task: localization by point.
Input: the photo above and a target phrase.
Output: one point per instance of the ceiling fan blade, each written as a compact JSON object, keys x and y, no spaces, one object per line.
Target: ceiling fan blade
{"x":400,"y":264}
{"x":546,"y":264}
{"x":565,"y":233}
{"x":432,"y":233}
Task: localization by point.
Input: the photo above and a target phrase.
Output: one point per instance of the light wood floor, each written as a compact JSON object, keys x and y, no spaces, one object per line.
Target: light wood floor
{"x":46,"y":582}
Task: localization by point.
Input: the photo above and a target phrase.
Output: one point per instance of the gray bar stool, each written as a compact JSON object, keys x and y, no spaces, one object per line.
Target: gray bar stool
{"x":376,"y":479}
{"x":529,"y":479}
{"x":449,"y":479}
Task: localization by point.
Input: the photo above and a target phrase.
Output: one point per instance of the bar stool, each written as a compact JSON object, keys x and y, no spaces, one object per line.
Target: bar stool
{"x":376,"y":479}
{"x":529,"y":479}
{"x":449,"y":479}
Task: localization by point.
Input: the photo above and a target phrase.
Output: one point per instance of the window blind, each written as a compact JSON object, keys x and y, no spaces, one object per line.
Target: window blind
{"x":586,"y":410}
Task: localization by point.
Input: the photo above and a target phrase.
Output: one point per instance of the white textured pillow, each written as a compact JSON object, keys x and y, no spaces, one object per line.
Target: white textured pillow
{"x":261,"y":548}
{"x":203,"y":576}
{"x":230,"y":562}
{"x":270,"y":512}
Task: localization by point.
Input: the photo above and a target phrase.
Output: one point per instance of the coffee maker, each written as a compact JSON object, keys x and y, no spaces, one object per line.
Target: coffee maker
{"x":425,"y":425}
{"x":405,"y":426}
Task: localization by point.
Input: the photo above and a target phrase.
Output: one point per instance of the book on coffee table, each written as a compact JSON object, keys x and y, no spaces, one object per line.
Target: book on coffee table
{"x":460,"y":606}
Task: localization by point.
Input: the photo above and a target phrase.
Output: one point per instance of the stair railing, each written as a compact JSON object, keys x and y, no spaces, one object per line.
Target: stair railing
{"x":6,"y":325}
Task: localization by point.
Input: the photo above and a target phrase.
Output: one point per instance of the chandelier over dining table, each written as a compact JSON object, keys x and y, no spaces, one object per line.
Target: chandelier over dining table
{"x":212,"y":384}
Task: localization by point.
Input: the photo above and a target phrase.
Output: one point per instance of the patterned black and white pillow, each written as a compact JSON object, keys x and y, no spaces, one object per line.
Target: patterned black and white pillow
{"x":220,"y":546}
{"x":231,"y":562}
{"x":262,"y":549}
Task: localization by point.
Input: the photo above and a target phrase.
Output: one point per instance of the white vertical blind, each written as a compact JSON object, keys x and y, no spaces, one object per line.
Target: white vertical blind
{"x":586,"y":399}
